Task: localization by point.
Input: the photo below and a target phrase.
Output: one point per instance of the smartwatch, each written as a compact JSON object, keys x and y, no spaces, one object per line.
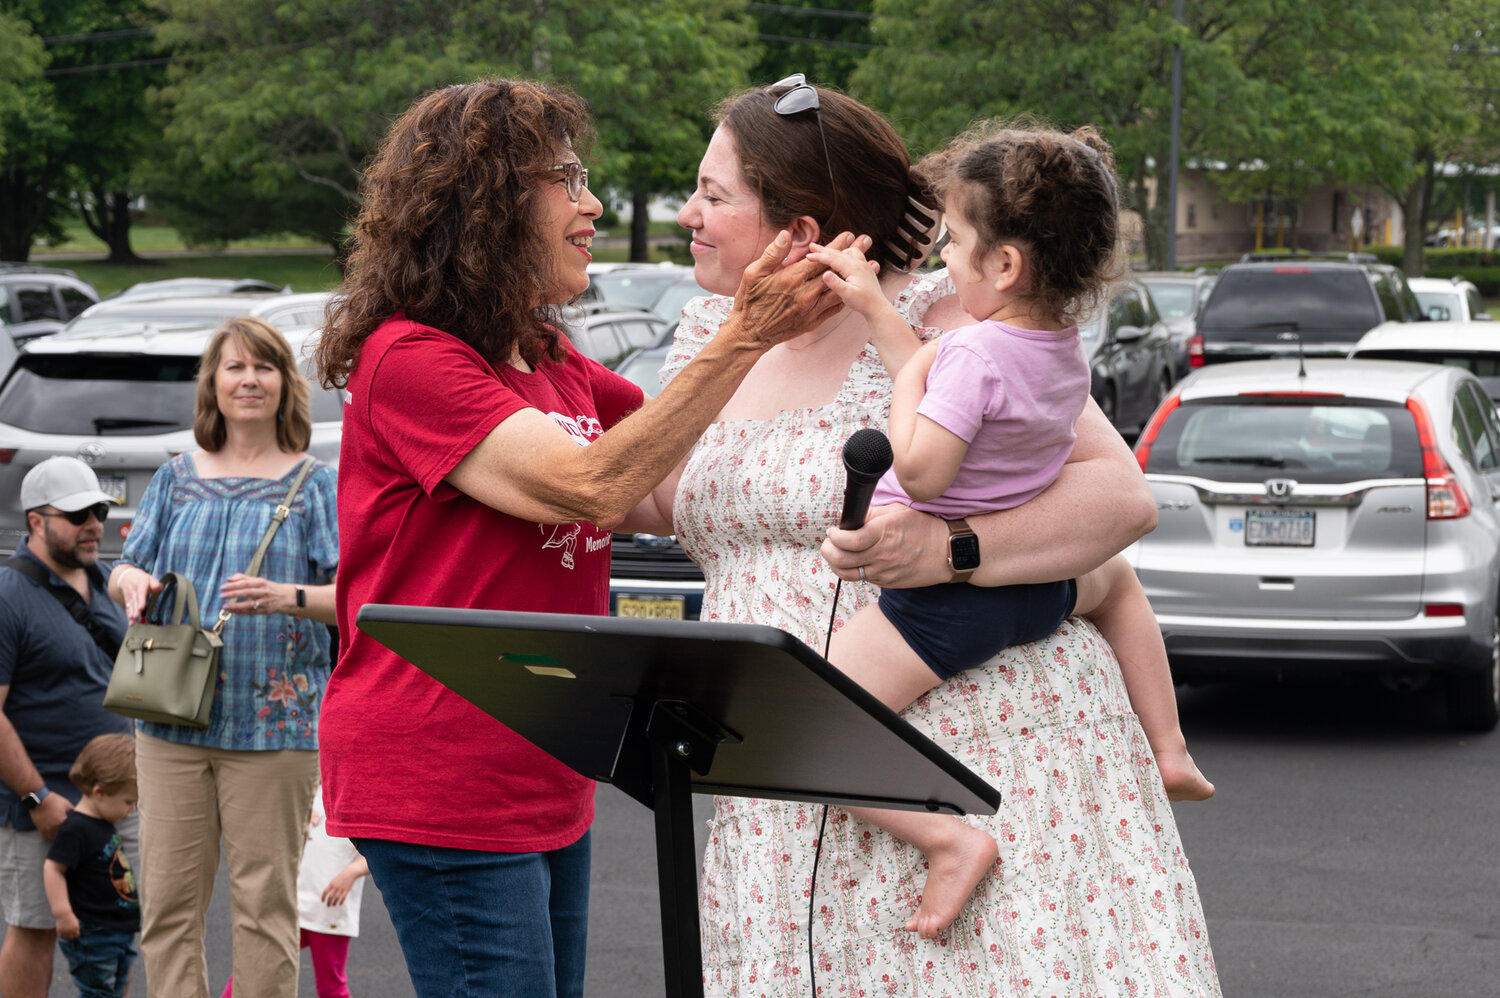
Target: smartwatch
{"x":963,"y":550}
{"x":301,"y":596}
{"x":34,"y":799}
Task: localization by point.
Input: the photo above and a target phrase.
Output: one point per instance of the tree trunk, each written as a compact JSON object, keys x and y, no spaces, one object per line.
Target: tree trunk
{"x":1154,"y":221}
{"x":1414,"y":221}
{"x":640,"y":227}
{"x":23,"y":208}
{"x":108,"y":218}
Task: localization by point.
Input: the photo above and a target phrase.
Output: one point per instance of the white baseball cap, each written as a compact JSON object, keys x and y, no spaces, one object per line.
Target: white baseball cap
{"x":64,"y":482}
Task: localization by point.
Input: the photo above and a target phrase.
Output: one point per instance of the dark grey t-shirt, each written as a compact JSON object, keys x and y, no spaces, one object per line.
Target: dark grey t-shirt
{"x":57,"y":676}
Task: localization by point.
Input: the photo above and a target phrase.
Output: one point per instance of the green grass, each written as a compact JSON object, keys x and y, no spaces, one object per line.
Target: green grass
{"x":161,"y":238}
{"x":303,"y":271}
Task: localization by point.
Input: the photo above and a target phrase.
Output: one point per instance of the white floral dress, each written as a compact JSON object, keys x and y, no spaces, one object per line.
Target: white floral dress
{"x":1091,"y":895}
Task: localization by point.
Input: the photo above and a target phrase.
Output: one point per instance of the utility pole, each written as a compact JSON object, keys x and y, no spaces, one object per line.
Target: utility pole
{"x":1176,"y":138}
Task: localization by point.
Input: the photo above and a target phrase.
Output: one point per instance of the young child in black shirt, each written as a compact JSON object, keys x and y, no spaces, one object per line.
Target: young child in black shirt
{"x":88,"y":879}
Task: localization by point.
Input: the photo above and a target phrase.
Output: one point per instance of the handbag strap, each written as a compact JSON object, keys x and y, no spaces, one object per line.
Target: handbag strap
{"x":283,"y":510}
{"x":70,"y":600}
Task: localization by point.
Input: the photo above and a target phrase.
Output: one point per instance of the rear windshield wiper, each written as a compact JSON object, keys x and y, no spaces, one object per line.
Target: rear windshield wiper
{"x":104,"y":424}
{"x":1287,"y":324}
{"x":1261,"y":460}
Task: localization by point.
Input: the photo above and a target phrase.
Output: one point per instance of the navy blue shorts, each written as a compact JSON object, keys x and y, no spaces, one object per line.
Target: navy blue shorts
{"x":954,"y":627}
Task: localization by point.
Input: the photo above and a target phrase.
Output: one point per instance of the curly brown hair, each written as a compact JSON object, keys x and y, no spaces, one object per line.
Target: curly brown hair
{"x":782,"y":157}
{"x":450,"y":229}
{"x":263,"y":341}
{"x":1052,"y":194}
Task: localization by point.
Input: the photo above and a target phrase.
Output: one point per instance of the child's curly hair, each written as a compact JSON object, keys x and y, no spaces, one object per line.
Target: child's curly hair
{"x":1053,"y":194}
{"x":107,"y":761}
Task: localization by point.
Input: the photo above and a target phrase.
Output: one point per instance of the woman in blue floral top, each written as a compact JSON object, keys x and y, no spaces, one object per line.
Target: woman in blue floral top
{"x":249,"y":777}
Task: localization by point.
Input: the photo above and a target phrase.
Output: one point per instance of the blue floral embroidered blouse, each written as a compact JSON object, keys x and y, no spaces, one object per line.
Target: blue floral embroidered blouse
{"x":273,"y":667}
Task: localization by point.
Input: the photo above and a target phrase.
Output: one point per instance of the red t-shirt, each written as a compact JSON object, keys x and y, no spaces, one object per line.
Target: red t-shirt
{"x":404,"y":758}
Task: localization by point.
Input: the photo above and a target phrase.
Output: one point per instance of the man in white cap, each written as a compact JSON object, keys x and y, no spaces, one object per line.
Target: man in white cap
{"x":58,"y":627}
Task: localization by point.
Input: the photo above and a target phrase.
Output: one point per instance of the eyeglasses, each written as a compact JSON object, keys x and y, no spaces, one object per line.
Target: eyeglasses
{"x":576,"y":176}
{"x":804,"y":97}
{"x":78,"y":517}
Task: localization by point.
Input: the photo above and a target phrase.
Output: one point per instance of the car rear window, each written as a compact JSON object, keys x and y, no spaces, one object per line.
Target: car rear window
{"x":106,"y":395}
{"x":1248,"y":440}
{"x":1254,"y":306}
{"x":91,"y":395}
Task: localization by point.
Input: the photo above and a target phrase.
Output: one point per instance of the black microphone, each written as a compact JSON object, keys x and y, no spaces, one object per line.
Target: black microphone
{"x":867,"y":456}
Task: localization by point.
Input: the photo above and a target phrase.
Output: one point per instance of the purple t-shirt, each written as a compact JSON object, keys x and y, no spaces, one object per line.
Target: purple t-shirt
{"x":1014,"y":395}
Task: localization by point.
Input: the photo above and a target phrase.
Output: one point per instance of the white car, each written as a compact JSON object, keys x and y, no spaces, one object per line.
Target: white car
{"x":1449,"y":299}
{"x":1475,"y":347}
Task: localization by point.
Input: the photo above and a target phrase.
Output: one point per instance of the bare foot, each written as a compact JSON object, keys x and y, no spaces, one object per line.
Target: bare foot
{"x":953,"y":871}
{"x":1179,"y":774}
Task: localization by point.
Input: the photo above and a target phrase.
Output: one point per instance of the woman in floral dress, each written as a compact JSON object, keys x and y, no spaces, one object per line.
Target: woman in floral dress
{"x":1091,"y":894}
{"x":247,"y":778}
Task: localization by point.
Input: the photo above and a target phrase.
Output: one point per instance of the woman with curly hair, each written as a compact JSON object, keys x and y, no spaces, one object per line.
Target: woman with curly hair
{"x":485,"y":463}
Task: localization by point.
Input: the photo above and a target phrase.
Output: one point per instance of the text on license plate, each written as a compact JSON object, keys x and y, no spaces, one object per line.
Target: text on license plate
{"x":1280,"y":527}
{"x":669,"y":608}
{"x":114,"y":486}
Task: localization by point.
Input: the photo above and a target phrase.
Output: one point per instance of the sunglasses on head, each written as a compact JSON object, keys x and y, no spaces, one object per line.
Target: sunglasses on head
{"x":576,"y":177}
{"x":804,"y":97}
{"x":78,"y":517}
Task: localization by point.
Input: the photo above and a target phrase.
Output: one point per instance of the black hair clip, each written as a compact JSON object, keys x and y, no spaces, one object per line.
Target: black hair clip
{"x":916,"y":234}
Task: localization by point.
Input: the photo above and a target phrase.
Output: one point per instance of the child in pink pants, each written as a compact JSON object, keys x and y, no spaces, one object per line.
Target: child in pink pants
{"x":329,"y":886}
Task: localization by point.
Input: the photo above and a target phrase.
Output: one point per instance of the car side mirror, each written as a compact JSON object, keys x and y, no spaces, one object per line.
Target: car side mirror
{"x":1483,"y":317}
{"x":1125,"y":334}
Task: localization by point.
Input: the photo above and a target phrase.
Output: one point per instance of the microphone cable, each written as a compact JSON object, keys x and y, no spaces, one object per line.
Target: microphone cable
{"x":812,"y":886}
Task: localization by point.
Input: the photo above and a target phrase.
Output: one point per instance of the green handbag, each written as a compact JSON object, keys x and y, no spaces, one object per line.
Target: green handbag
{"x":166,"y":672}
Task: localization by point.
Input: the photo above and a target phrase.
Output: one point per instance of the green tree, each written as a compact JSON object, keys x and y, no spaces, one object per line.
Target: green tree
{"x":1252,"y":97}
{"x":32,"y":134}
{"x":822,"y":39}
{"x":103,"y":63}
{"x":652,"y":73}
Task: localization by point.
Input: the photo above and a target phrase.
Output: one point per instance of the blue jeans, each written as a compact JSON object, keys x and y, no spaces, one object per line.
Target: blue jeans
{"x":509,"y":925}
{"x":100,"y":962}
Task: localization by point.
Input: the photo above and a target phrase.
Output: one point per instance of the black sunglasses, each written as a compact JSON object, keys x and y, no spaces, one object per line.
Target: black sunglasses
{"x":78,"y":517}
{"x":804,"y":97}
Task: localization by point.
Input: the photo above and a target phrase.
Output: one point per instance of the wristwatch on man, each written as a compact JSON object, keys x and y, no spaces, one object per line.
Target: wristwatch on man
{"x":34,"y":799}
{"x":963,"y":550}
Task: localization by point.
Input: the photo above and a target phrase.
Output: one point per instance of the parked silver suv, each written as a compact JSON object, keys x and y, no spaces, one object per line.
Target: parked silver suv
{"x":122,"y":401}
{"x":1341,"y":520}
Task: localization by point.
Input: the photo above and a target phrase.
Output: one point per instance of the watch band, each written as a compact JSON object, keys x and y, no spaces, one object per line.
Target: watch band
{"x":301,"y":597}
{"x":960,"y":528}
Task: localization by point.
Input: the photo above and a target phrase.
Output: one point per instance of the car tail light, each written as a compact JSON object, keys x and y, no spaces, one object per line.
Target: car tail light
{"x":1195,"y":350}
{"x":1292,"y":395}
{"x":7,"y":455}
{"x":1443,"y":610}
{"x":1446,"y":499}
{"x":1291,"y":270}
{"x":1148,"y":435}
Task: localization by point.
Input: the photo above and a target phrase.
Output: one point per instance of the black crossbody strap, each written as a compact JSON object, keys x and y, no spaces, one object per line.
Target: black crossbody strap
{"x":70,"y":600}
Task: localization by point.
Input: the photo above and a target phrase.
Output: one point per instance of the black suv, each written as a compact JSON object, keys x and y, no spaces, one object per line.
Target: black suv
{"x":1274,"y":306}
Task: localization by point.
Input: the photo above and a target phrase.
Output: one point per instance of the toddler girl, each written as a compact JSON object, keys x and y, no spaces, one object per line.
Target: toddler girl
{"x":982,"y":419}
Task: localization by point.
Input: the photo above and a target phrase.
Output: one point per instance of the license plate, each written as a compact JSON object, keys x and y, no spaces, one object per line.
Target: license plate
{"x":114,"y":486}
{"x":665,"y":608}
{"x":1280,"y":527}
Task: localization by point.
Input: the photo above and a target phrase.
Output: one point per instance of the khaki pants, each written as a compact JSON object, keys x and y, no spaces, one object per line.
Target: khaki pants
{"x":259,"y":803}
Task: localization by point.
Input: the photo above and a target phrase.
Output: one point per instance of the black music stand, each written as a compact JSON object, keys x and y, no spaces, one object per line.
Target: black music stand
{"x":664,"y":709}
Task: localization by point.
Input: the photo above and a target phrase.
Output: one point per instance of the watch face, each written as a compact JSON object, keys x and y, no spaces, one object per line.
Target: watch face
{"x":963,"y":552}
